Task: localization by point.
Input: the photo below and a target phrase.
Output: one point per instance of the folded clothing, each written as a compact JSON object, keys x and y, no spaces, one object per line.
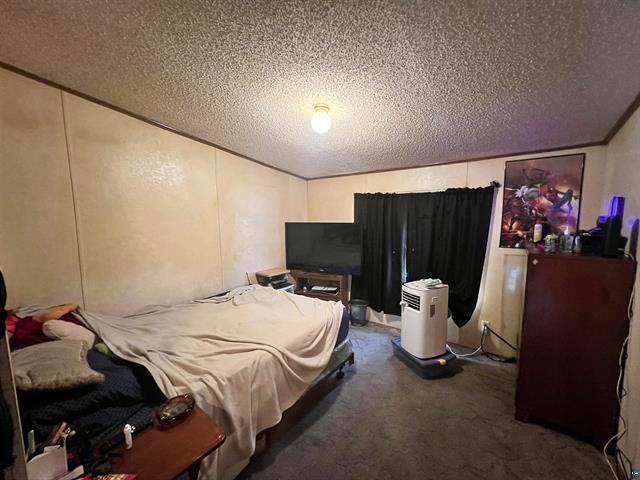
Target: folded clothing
{"x":61,"y":364}
{"x":28,"y":332}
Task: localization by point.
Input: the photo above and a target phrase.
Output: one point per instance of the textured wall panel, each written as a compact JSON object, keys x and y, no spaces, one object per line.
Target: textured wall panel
{"x":38,"y":250}
{"x":513,"y":286}
{"x":297,"y":199}
{"x":439,"y":177}
{"x":255,"y":202}
{"x":408,"y":82}
{"x":331,"y":199}
{"x":147,"y":211}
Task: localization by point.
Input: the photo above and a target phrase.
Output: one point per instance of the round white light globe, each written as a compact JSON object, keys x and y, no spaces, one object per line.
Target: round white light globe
{"x":321,"y":121}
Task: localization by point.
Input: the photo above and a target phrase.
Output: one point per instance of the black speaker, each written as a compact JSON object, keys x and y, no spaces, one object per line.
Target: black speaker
{"x":611,"y":241}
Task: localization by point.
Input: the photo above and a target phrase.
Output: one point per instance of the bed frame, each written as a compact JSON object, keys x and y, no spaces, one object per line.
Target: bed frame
{"x":350,"y":360}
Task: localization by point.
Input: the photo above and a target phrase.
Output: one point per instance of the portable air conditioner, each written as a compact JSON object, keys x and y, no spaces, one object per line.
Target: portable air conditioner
{"x":424,"y":307}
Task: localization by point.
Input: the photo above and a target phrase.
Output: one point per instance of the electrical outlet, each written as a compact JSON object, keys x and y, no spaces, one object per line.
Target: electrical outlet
{"x":485,"y":323}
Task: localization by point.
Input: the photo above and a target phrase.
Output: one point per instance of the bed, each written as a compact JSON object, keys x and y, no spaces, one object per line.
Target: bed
{"x":247,"y":357}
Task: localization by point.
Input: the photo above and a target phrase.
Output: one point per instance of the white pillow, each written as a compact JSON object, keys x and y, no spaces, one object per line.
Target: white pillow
{"x":62,"y":330}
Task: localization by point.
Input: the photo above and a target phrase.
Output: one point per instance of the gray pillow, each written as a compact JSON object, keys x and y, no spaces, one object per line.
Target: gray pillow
{"x":57,"y":365}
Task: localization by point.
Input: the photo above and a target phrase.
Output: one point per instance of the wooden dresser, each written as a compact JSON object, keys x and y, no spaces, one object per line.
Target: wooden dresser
{"x":575,"y":322}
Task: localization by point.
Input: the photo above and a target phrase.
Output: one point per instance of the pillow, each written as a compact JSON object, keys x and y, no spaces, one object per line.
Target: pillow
{"x":54,"y":313}
{"x":57,"y":365}
{"x":61,"y":330}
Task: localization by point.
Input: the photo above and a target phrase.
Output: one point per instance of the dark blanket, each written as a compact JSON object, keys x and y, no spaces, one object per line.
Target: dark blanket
{"x":127,"y":395}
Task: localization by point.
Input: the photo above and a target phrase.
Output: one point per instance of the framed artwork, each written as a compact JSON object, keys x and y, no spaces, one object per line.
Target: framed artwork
{"x":545,"y":190}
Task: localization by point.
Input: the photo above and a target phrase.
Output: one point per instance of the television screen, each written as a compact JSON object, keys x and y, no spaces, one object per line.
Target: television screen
{"x":324,"y":247}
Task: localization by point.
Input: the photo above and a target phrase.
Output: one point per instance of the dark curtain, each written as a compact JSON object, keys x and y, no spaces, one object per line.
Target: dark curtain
{"x":383,"y":218}
{"x":369,"y":213}
{"x":436,"y":234}
{"x":447,"y":239}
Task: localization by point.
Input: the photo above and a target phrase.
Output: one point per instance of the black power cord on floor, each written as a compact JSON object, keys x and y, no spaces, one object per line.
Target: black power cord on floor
{"x":495,"y":358}
{"x":491,"y":356}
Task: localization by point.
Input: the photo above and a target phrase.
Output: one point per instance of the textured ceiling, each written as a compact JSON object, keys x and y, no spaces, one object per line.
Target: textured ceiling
{"x":409,"y":83}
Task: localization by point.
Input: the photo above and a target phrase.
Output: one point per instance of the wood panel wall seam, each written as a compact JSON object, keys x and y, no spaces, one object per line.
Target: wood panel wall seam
{"x":73,"y":198}
{"x":218,"y":207}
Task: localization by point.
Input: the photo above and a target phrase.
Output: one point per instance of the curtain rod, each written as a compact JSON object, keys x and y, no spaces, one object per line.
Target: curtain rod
{"x":493,"y":183}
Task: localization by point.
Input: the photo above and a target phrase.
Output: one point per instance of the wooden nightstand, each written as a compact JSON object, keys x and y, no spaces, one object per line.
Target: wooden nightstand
{"x":166,"y":454}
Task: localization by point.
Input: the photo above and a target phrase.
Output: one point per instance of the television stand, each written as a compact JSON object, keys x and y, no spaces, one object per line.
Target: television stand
{"x":306,"y":280}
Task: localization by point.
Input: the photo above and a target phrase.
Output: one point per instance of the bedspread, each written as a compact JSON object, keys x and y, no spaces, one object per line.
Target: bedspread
{"x":246,"y":360}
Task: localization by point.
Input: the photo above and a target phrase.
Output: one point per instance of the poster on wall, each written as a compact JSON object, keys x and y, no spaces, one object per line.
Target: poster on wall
{"x":540,"y":190}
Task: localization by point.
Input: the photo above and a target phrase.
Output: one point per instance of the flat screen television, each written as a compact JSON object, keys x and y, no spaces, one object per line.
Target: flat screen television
{"x":324,"y":247}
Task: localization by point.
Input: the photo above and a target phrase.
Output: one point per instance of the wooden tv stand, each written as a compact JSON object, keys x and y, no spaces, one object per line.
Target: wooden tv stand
{"x":308,"y":279}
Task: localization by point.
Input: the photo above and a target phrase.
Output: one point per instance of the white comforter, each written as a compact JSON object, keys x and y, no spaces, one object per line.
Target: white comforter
{"x":246,"y":360}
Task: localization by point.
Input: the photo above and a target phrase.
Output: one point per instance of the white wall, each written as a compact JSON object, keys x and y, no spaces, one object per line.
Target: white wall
{"x":500,"y":300}
{"x":146,"y":210}
{"x":112,"y":213}
{"x":36,"y":205}
{"x":255,"y":202}
{"x":623,"y":178}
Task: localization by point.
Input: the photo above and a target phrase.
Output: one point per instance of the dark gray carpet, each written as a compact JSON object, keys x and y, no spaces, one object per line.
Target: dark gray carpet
{"x":385,"y":422}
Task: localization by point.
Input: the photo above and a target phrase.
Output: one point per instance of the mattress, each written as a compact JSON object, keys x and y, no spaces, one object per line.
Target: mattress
{"x":343,"y":330}
{"x":339,"y":356}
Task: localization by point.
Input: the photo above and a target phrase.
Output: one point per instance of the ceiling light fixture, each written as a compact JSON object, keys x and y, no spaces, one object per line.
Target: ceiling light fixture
{"x":321,"y":120}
